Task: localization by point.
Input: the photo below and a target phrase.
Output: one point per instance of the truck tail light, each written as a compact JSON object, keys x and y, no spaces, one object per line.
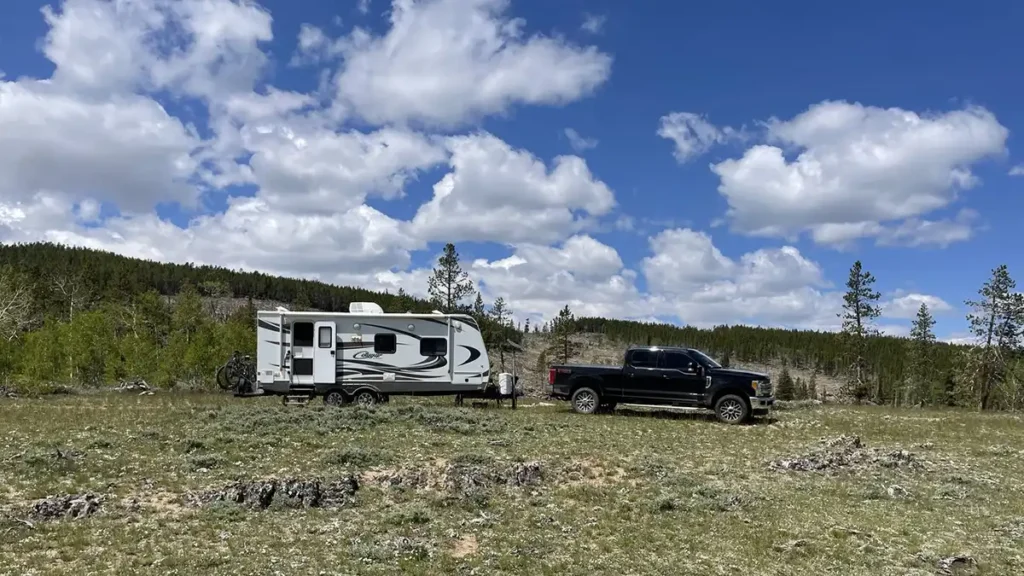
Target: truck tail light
{"x":551,"y":376}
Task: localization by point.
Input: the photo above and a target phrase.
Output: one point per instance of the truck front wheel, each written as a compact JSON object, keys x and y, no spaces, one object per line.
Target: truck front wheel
{"x":732,"y":409}
{"x":585,"y":401}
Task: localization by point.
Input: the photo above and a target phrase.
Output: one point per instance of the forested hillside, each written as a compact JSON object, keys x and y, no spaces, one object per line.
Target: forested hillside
{"x":81,"y":317}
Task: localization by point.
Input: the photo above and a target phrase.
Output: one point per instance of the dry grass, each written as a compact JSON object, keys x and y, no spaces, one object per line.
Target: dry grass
{"x":445,"y":490}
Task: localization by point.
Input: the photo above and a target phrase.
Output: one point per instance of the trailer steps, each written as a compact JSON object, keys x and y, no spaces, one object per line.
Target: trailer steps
{"x":297,"y":399}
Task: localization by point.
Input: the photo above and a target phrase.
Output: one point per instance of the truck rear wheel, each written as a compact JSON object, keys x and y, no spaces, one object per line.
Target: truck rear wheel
{"x":732,"y":409}
{"x":585,"y":401}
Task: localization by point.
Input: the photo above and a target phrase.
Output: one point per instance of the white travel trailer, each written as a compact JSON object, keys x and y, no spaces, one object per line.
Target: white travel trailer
{"x":366,"y":355}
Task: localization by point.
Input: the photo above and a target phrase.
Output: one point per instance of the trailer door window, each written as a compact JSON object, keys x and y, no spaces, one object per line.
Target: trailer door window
{"x":302,"y":334}
{"x":434,"y":346}
{"x":326,"y":339}
{"x":385,"y":343}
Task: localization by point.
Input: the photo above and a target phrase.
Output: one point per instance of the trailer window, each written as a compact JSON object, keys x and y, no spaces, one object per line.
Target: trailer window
{"x":302,"y":334}
{"x":434,"y":346}
{"x":385,"y":343}
{"x":326,"y":337}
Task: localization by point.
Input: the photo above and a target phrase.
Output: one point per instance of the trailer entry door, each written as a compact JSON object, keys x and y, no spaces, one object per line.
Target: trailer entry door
{"x":325,"y":367}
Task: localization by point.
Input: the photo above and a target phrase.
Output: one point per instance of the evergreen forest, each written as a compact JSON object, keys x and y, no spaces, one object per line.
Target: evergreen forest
{"x":74,"y":317}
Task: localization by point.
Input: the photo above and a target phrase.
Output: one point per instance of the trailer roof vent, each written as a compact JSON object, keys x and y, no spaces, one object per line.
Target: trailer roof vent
{"x":365,"y":308}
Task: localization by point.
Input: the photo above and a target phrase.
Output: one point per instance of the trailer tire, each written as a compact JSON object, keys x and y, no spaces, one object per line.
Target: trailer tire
{"x":585,"y":400}
{"x":365,"y":397}
{"x":334,"y":397}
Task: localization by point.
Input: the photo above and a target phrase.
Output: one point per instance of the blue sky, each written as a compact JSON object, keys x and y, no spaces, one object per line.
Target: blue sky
{"x":928,"y":100}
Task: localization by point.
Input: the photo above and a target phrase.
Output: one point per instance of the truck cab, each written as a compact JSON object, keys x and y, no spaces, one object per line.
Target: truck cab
{"x":664,"y":376}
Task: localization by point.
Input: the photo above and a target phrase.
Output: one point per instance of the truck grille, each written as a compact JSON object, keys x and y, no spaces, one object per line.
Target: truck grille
{"x":764,"y":388}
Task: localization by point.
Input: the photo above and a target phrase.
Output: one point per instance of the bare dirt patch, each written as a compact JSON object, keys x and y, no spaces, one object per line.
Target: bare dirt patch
{"x":465,"y":546}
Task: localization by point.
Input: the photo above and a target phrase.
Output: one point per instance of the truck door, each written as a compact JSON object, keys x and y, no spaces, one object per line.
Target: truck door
{"x":325,"y":367}
{"x":679,"y":380}
{"x":639,"y":379}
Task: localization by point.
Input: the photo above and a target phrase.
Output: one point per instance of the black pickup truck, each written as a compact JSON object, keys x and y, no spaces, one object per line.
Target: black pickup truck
{"x":666,"y":376}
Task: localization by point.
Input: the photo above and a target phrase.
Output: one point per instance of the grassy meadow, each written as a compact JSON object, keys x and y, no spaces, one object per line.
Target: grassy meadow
{"x":208,"y":484}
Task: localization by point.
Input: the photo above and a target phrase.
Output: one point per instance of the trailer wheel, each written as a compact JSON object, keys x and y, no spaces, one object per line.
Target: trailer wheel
{"x":585,"y":401}
{"x":334,"y":398}
{"x":365,"y":398}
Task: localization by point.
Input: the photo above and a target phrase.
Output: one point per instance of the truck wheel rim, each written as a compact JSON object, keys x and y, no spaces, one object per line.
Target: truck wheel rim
{"x":731,"y":410}
{"x":585,"y":402}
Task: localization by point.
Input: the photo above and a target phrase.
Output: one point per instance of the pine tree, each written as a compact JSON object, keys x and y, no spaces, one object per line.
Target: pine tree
{"x":302,"y":301}
{"x":563,"y":326}
{"x":860,"y":309}
{"x":997,"y":322}
{"x":920,"y":369}
{"x":501,"y":316}
{"x":786,"y":389}
{"x":812,"y":386}
{"x":449,"y":284}
{"x":726,"y":360}
{"x":801,"y":389}
{"x":478,"y":307}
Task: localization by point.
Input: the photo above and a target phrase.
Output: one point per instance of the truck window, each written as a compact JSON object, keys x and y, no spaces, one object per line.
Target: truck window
{"x":643,"y":359}
{"x":675,"y":361}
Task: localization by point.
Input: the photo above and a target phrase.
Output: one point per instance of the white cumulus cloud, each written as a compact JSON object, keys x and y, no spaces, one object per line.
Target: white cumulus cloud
{"x":859,"y":171}
{"x":497,"y":193}
{"x":446,"y":62}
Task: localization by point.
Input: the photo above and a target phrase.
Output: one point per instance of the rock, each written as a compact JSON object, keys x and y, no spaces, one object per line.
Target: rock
{"x":845,"y":452}
{"x":958,"y":566}
{"x":134,"y":386}
{"x":73,"y":506}
{"x":306,"y":493}
{"x":896,"y":491}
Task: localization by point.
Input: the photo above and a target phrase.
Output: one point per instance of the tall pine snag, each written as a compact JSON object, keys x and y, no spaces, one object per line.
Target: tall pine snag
{"x":997,"y":323}
{"x":920,"y":374}
{"x":860,"y":309}
{"x":449,"y":284}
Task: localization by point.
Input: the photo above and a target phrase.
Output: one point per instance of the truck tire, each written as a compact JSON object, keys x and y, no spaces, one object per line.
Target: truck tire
{"x":732,"y":409}
{"x":585,"y":400}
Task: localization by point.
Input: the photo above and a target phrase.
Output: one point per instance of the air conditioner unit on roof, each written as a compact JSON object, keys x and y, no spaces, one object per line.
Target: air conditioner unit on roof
{"x":365,"y":308}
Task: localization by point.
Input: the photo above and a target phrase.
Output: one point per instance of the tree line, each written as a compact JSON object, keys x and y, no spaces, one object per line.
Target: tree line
{"x":81,"y":317}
